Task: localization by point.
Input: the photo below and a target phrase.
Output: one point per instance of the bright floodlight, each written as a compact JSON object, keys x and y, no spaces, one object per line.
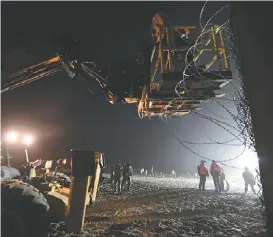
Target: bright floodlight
{"x":248,"y":159}
{"x":12,"y":136}
{"x":28,"y":140}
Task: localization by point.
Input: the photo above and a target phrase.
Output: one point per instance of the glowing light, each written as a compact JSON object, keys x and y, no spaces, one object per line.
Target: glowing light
{"x":28,"y":140}
{"x":12,"y":136}
{"x":248,"y":159}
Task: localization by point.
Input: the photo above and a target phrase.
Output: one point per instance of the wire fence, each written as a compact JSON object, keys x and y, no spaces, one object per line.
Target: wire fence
{"x":239,"y":124}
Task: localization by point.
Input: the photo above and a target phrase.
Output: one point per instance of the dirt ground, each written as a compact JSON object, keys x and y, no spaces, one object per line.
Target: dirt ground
{"x":167,"y":207}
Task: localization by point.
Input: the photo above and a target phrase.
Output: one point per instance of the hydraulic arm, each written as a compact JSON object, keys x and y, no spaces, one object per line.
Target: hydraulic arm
{"x":51,"y":67}
{"x":28,"y":75}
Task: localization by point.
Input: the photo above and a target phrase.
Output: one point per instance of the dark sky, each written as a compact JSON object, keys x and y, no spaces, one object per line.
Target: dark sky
{"x":62,"y":113}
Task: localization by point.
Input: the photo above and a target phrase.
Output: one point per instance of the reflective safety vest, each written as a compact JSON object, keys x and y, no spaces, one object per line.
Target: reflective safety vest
{"x":203,"y":170}
{"x":159,"y":20}
{"x":215,"y":168}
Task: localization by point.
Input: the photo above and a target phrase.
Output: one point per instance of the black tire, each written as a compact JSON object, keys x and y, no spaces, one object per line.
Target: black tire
{"x":24,"y":210}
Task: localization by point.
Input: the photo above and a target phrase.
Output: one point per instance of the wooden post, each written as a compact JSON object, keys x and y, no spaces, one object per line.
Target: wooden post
{"x":83,"y":166}
{"x":96,"y":177}
{"x":252,"y":26}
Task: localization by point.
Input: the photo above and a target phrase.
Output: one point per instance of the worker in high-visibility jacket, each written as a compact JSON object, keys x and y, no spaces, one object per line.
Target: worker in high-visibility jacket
{"x":160,"y":19}
{"x":203,"y":174}
{"x":215,"y":171}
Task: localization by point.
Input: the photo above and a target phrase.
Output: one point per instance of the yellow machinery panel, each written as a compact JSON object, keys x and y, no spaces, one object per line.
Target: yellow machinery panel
{"x":205,"y":72}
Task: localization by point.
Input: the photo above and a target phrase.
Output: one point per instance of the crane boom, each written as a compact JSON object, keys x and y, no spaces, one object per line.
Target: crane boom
{"x":33,"y":73}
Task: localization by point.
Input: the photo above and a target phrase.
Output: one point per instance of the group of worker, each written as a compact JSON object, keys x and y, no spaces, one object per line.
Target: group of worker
{"x":218,"y":175}
{"x":120,"y":175}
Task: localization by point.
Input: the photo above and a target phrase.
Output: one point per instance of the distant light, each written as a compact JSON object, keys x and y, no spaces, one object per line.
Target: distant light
{"x":28,"y":140}
{"x":248,"y":159}
{"x":12,"y":136}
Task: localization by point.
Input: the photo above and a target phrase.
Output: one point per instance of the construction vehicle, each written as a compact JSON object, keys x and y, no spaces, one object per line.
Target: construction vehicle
{"x":151,"y":80}
{"x":43,"y":193}
{"x":154,"y":82}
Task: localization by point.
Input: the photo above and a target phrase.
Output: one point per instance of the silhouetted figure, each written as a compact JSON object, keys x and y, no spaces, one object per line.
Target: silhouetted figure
{"x":249,"y":180}
{"x":118,"y":169}
{"x":60,"y":166}
{"x":215,"y":171}
{"x":173,"y":174}
{"x":127,"y":174}
{"x":203,"y":174}
{"x":138,"y":172}
{"x":152,"y":172}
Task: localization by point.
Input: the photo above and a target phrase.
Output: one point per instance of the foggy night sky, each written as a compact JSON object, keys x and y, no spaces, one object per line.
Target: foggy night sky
{"x":63,"y":114}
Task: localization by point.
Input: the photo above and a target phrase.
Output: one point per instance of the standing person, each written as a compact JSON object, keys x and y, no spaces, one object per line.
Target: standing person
{"x":152,"y":172}
{"x":173,"y":174}
{"x":222,"y":179}
{"x":118,"y":169}
{"x":160,"y":19}
{"x":249,"y":180}
{"x":215,"y":171}
{"x":127,"y":174}
{"x":203,"y":174}
{"x":60,"y":166}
